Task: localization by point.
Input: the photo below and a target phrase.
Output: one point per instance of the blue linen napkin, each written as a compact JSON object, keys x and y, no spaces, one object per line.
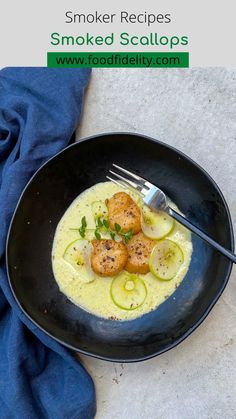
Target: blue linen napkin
{"x":39,"y":110}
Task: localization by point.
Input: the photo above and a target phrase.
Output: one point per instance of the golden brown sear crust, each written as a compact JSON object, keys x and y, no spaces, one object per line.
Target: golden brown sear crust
{"x":125,"y":212}
{"x":108,"y":257}
{"x":139,"y":249}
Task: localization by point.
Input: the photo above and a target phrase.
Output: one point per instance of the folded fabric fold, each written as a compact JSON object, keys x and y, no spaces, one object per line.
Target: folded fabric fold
{"x":39,"y":111}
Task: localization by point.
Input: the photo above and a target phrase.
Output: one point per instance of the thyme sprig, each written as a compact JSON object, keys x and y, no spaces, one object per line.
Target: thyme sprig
{"x":103,"y":225}
{"x":82,"y":228}
{"x":127,"y":235}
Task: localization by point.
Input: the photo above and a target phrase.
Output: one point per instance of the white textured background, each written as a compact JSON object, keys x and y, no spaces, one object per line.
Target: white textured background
{"x":194,"y":110}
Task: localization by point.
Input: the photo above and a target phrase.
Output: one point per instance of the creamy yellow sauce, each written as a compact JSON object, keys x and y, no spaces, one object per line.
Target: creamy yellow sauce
{"x":95,"y":296}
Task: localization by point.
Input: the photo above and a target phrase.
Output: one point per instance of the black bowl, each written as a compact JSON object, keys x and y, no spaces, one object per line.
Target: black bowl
{"x":45,"y":199}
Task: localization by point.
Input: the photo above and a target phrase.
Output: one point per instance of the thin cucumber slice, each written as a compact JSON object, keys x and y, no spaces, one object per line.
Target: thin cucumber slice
{"x":156,"y":225}
{"x":128,"y":291}
{"x":166,"y":260}
{"x":99,"y":210}
{"x":77,"y":254}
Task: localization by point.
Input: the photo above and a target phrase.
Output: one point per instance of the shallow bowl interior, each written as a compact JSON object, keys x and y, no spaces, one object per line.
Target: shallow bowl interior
{"x":43,"y":203}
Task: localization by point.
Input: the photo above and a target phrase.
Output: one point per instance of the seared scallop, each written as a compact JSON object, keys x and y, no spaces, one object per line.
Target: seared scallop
{"x":108,"y":257}
{"x":139,"y":249}
{"x":124,"y":211}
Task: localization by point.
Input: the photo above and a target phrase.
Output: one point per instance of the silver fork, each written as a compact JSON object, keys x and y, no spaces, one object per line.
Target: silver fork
{"x":156,"y":199}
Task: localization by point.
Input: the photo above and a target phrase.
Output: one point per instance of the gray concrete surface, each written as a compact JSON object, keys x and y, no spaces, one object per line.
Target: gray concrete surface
{"x":194,"y":110}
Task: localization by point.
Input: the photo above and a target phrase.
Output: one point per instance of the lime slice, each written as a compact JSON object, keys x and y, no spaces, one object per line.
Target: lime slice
{"x":99,"y":210}
{"x":156,"y":225}
{"x":77,"y":254}
{"x":166,"y":260}
{"x":128,"y":291}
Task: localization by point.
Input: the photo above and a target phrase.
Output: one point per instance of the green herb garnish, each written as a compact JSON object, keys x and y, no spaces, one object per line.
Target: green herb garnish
{"x":97,"y":234}
{"x":103,"y":224}
{"x":106,"y":224}
{"x":84,"y":222}
{"x":99,"y":222}
{"x":83,"y":226}
{"x":128,"y":235}
{"x":99,"y":226}
{"x":112,"y":234}
{"x":117,"y":227}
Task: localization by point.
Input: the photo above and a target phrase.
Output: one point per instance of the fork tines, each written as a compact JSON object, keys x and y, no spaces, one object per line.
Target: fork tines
{"x":131,"y":180}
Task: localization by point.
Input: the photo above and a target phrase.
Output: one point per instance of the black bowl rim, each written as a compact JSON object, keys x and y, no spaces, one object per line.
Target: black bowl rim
{"x":210,"y":306}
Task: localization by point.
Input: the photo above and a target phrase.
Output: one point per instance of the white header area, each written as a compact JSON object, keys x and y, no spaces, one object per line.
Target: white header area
{"x":206,"y":29}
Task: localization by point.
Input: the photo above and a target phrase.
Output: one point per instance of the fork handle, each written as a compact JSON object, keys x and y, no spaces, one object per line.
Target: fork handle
{"x":230,"y":255}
